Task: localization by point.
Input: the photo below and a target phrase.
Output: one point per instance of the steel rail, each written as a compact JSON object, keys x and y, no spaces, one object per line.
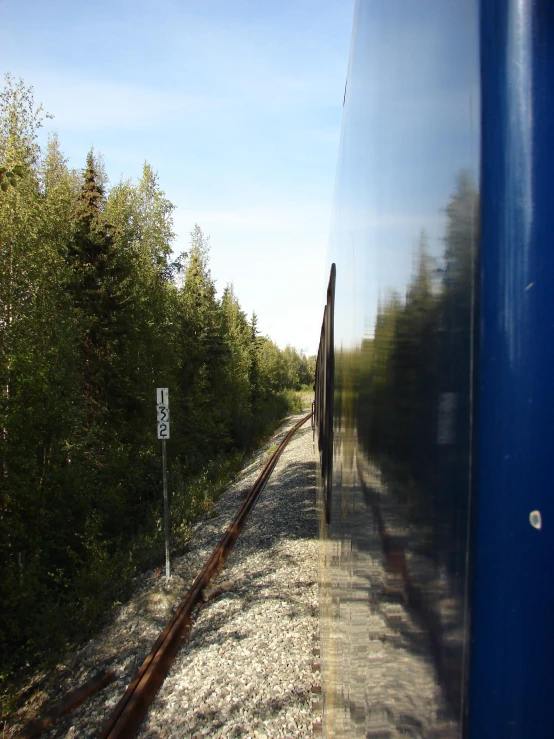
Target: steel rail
{"x":133,"y":706}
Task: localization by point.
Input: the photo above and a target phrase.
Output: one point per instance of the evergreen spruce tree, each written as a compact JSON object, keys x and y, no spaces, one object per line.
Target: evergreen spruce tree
{"x":254,"y":373}
{"x":99,"y":287}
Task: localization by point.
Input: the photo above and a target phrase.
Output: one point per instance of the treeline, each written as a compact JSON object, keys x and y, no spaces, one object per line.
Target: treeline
{"x":95,"y":314}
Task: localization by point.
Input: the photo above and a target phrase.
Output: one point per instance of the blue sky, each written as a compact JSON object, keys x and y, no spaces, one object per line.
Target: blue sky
{"x":236,"y":103}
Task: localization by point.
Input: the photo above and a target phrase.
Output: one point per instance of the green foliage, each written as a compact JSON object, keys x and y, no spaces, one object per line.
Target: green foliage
{"x":94,"y":315}
{"x":8,"y":176}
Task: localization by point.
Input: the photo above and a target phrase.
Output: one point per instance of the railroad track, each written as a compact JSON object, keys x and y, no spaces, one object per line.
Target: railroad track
{"x":133,"y":706}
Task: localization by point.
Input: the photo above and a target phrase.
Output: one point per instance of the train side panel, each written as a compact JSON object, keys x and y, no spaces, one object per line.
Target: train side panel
{"x":512,"y":664}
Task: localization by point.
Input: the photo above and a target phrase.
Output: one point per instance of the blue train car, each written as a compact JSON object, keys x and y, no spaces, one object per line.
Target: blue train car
{"x":435,"y":377}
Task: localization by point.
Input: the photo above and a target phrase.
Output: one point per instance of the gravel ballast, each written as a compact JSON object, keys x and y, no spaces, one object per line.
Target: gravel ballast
{"x":247,"y":669}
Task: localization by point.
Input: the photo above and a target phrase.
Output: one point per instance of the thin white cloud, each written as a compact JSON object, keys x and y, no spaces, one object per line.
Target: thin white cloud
{"x":278,"y":218}
{"x":84,"y":104}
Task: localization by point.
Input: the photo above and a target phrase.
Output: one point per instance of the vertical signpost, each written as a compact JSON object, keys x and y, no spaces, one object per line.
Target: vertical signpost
{"x":162,"y":416}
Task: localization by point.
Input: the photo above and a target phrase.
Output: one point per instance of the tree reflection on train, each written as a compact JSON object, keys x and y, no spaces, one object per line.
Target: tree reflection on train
{"x":402,"y":404}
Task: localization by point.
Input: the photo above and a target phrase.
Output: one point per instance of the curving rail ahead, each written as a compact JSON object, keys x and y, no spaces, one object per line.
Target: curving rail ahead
{"x":131,"y":709}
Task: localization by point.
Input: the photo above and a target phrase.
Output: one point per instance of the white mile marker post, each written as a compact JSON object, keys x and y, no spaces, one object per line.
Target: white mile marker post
{"x":162,"y":415}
